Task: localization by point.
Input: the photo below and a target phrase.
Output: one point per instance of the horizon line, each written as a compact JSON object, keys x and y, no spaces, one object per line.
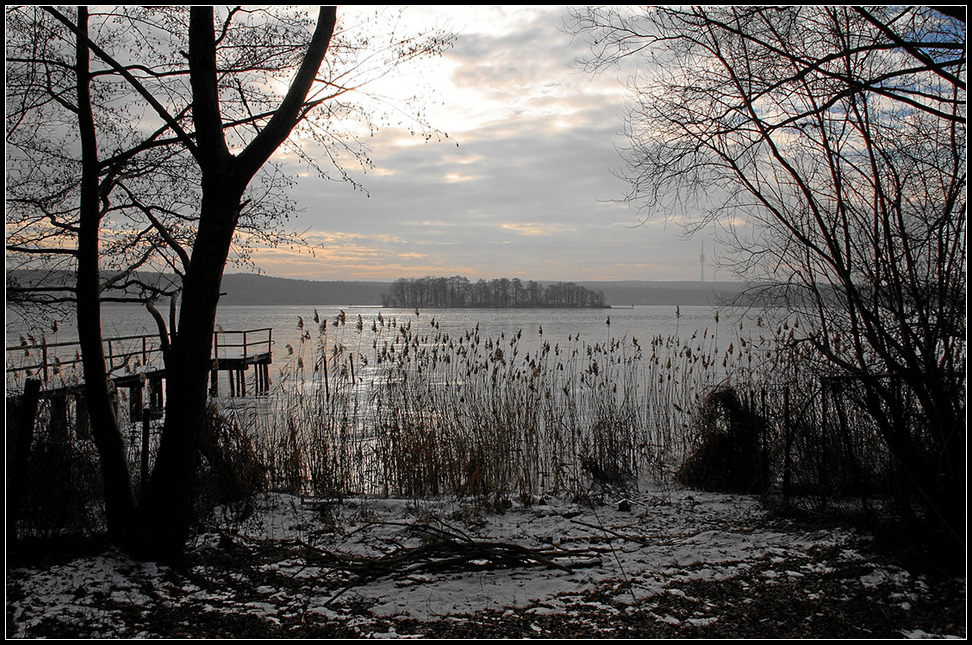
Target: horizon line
{"x":417,"y":277}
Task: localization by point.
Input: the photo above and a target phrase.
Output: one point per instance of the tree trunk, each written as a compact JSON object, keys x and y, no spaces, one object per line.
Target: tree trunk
{"x":167,"y":510}
{"x":107,"y":435}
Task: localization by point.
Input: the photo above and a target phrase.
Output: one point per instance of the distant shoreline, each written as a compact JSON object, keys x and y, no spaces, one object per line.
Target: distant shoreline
{"x":254,"y":289}
{"x":251,"y":289}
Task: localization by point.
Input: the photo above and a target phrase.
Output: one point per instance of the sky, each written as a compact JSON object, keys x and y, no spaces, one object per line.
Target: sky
{"x":525,"y":184}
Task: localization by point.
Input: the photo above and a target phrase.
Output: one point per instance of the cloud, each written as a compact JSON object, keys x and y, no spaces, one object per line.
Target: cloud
{"x":536,"y":229}
{"x":526,"y":185}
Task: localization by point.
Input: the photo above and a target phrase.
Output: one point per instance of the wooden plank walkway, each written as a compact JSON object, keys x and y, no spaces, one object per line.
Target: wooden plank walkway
{"x":140,"y":357}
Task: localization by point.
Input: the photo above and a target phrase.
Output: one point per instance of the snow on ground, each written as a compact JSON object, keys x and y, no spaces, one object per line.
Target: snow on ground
{"x":662,"y":562}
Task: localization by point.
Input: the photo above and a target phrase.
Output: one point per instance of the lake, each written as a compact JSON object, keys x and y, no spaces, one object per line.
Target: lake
{"x":557,"y":324}
{"x":536,"y":326}
{"x":552,"y":325}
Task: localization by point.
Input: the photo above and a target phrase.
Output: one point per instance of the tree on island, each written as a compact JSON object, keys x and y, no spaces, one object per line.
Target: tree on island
{"x":838,"y":137}
{"x":185,"y":99}
{"x":459,"y":292}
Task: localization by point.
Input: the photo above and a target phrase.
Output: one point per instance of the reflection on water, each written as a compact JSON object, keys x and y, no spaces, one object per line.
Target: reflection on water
{"x":291,"y":323}
{"x":556,"y":324}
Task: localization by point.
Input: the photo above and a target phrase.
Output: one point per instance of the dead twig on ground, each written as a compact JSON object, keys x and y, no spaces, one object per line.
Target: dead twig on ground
{"x":445,"y":552}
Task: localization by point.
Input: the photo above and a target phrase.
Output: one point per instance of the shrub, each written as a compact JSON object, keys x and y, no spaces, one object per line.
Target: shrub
{"x":728,"y":456}
{"x":232,"y":471}
{"x":61,"y":489}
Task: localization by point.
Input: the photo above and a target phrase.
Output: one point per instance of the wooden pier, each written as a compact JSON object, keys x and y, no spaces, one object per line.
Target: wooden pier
{"x":135,"y":363}
{"x":236,"y":357}
{"x":44,"y":381}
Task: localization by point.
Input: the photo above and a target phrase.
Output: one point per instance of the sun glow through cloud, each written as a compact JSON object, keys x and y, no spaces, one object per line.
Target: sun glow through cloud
{"x":522,"y":173}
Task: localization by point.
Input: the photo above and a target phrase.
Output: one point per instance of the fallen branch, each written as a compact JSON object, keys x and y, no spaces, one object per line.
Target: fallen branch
{"x":450,"y":553}
{"x":618,"y":534}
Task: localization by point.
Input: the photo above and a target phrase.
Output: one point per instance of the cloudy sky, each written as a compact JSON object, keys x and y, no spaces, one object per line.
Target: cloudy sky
{"x":524,"y":186}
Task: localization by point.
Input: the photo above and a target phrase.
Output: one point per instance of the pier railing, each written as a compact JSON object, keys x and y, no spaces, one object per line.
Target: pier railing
{"x":57,"y":364}
{"x":249,"y":343}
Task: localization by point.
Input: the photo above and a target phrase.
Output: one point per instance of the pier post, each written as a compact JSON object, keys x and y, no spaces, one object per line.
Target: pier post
{"x":155,"y":392}
{"x":82,"y":423}
{"x":26,"y":415}
{"x":144,"y":456}
{"x":59,"y":416}
{"x":787,"y":434}
{"x":44,"y":358}
{"x":135,"y":394}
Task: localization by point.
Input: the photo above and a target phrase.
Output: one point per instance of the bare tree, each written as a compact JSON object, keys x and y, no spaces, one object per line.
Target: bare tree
{"x":837,"y":138}
{"x":149,"y":185}
{"x":199,"y":87}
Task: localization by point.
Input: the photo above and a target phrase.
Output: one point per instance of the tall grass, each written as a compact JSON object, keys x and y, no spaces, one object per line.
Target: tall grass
{"x":396,"y":406}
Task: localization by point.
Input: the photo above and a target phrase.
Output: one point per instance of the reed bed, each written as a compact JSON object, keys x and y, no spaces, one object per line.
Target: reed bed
{"x":396,"y":406}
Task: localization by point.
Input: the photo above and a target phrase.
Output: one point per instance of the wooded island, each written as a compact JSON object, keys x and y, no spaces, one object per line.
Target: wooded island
{"x":458,"y":291}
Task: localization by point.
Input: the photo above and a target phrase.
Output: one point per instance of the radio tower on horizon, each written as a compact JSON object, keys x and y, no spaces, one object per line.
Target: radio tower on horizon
{"x":702,"y":262}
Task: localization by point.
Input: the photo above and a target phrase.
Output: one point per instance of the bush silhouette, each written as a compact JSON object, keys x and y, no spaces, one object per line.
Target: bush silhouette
{"x":728,"y":457}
